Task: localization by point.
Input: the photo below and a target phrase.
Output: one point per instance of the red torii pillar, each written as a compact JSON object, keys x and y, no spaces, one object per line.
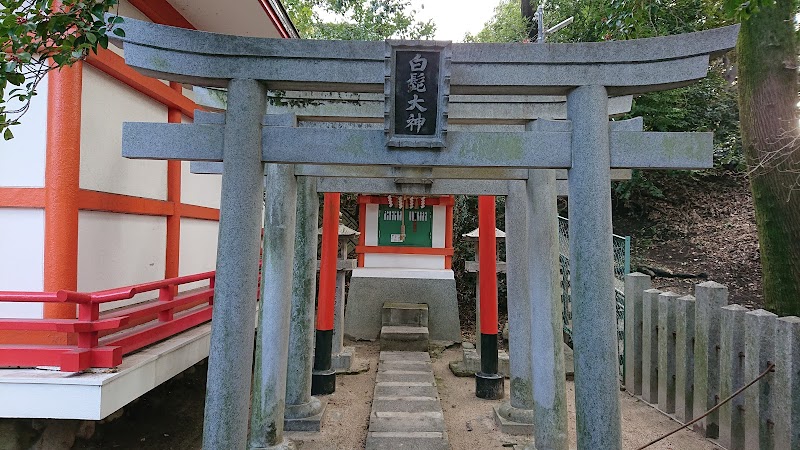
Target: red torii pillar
{"x":323,"y":378}
{"x":488,"y":383}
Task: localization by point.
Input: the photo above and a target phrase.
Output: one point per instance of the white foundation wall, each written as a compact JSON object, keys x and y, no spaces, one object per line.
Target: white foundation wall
{"x":200,"y":189}
{"x":106,"y":104}
{"x":116,"y":250}
{"x":22,"y":261}
{"x":198,"y":248}
{"x":386,"y":260}
{"x":22,"y":159}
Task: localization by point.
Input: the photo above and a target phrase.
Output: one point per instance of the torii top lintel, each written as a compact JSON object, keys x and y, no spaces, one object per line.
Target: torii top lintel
{"x":623,"y":67}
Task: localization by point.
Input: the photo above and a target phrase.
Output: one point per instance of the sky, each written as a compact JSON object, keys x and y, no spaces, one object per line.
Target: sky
{"x":455,"y":18}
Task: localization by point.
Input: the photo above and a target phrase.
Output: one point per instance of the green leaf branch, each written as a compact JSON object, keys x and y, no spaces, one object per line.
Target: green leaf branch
{"x":42,"y":35}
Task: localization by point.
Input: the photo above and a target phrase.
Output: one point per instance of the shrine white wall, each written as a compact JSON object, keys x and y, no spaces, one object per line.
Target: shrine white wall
{"x":200,"y":189}
{"x":22,"y":261}
{"x":106,"y":104}
{"x":198,"y":248}
{"x":387,"y":260}
{"x":22,"y":159}
{"x":117,"y":250}
{"x":438,"y":227}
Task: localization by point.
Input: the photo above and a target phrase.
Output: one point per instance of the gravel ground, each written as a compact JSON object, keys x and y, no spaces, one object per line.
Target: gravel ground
{"x":171,"y":416}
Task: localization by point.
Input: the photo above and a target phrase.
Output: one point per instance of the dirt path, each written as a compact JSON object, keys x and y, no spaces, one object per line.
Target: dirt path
{"x":470,"y":421}
{"x":171,"y":416}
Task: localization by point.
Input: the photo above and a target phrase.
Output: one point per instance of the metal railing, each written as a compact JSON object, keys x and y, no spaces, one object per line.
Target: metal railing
{"x":622,"y":266}
{"x":104,"y":338}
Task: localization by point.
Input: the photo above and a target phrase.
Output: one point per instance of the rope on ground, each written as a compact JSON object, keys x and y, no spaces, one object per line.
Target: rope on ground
{"x":769,"y":369}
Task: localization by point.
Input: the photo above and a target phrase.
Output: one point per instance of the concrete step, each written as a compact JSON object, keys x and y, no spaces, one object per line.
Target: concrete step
{"x":406,"y":390}
{"x":404,"y":357}
{"x":409,"y":314}
{"x":404,"y":338}
{"x":406,"y":404}
{"x":406,"y":411}
{"x":405,"y":366}
{"x":414,"y":440}
{"x":404,"y":376}
{"x":406,"y":421}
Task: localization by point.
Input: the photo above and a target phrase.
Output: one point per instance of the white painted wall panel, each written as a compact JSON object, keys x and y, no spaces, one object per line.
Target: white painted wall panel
{"x":22,"y":159}
{"x":371,"y":227}
{"x":199,"y":189}
{"x":117,"y":250}
{"x":403,"y":261}
{"x":198,"y":248}
{"x":437,"y":228}
{"x":22,"y":260}
{"x":106,"y":104}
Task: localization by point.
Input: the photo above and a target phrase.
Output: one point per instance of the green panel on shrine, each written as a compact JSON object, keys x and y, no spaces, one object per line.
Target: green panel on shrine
{"x":419,"y":224}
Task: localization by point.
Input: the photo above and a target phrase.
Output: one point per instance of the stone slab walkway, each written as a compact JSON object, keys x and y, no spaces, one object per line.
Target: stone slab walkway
{"x":406,"y":412}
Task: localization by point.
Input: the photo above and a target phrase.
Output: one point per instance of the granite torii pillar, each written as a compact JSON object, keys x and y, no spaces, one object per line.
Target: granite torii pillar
{"x":587,"y":147}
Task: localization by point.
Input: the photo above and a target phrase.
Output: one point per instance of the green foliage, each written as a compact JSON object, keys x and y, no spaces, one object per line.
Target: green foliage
{"x":743,"y":10}
{"x":40,"y":36}
{"x":362,"y":20}
{"x":506,"y":25}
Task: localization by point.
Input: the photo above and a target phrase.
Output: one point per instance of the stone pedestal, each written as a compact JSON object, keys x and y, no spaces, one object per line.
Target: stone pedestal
{"x":305,"y":417}
{"x":514,"y":421}
{"x":342,"y":362}
{"x":368,"y":293}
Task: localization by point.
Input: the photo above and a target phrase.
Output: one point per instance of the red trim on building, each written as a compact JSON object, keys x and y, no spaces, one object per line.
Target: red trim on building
{"x":62,"y":175}
{"x":362,"y":228}
{"x":114,"y":65}
{"x":160,"y":11}
{"x":448,"y":233}
{"x":12,"y":197}
{"x":124,"y":204}
{"x":384,"y":200}
{"x":399,"y":250}
{"x":199,"y":212}
{"x":273,"y":17}
{"x":173,"y":247}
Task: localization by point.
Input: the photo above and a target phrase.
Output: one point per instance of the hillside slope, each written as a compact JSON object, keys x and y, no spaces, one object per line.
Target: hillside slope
{"x":704,"y":226}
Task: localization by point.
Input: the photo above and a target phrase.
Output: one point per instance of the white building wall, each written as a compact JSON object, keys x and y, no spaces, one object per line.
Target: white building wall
{"x":386,"y":260}
{"x":116,"y":250}
{"x":106,"y":104}
{"x":198,"y":248}
{"x":438,"y":226}
{"x":22,"y":260}
{"x":371,"y":227}
{"x":200,"y":189}
{"x":22,"y":159}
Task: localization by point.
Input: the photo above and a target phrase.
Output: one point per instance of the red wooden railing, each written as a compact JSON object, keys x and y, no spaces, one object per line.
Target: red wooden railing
{"x":104,"y":338}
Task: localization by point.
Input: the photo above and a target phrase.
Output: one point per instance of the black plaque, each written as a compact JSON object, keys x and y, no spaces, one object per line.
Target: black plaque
{"x":417,"y":90}
{"x":416,"y":93}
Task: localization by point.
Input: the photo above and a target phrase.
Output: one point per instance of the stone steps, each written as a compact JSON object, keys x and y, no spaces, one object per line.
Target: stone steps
{"x":404,"y":338}
{"x":406,"y":411}
{"x":404,"y":327}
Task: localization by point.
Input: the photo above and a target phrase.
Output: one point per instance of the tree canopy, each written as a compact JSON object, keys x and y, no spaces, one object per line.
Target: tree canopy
{"x":363,"y":20}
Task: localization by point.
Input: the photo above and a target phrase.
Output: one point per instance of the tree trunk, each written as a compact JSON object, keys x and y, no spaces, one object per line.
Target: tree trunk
{"x":769,"y":122}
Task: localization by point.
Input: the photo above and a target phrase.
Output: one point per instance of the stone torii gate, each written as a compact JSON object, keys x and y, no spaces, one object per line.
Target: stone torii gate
{"x":585,"y":145}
